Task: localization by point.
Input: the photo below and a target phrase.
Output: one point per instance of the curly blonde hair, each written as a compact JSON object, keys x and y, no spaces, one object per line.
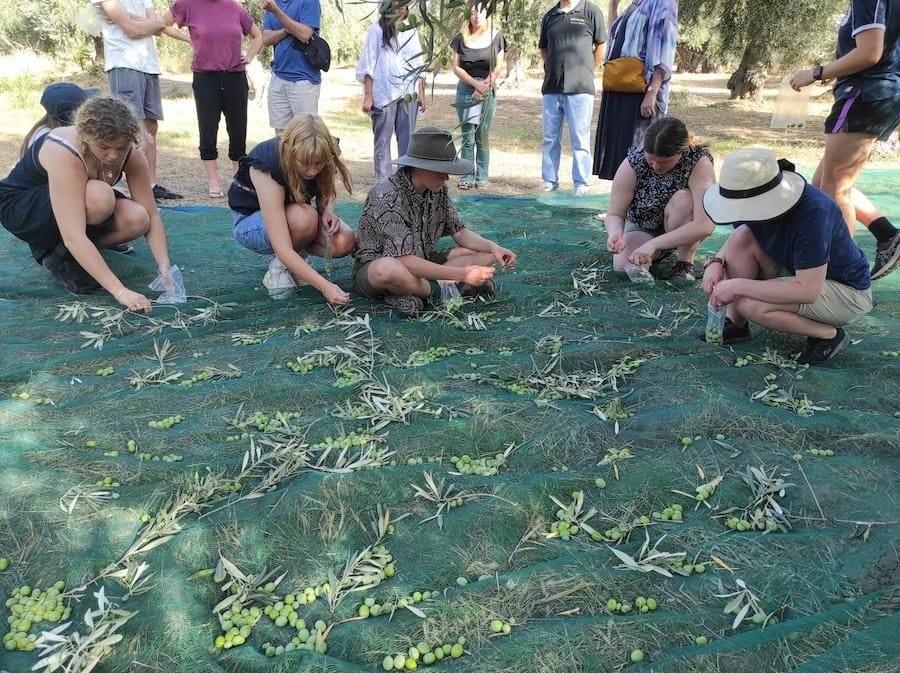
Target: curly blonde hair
{"x":106,"y":118}
{"x":307,"y":140}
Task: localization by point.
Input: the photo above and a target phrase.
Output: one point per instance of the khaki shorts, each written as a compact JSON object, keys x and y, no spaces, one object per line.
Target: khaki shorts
{"x":291,"y":99}
{"x":631,"y":226}
{"x":359,"y":277}
{"x":838,"y":304}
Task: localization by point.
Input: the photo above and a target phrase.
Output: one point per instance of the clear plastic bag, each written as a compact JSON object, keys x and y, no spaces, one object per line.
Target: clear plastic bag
{"x":790,"y":106}
{"x":449,"y":290}
{"x":171,"y":284}
{"x":327,"y":254}
{"x":638,"y":274}
{"x":715,"y":324}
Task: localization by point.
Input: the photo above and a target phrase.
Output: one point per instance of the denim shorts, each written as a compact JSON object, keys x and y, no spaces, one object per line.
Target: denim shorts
{"x":250,"y":231}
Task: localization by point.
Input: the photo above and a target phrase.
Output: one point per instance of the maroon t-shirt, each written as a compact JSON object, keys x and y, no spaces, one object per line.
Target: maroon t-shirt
{"x":217,"y":28}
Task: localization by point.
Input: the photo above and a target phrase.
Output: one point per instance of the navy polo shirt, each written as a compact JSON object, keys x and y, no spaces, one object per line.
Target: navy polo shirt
{"x":882,"y":80}
{"x":570,"y":38}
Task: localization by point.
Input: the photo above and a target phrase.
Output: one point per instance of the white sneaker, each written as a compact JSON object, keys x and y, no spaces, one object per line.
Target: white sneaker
{"x":583,"y":190}
{"x":547,"y":187}
{"x":278,"y":280}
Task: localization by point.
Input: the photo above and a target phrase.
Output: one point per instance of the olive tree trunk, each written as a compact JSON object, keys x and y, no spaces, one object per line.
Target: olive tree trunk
{"x":750,"y":77}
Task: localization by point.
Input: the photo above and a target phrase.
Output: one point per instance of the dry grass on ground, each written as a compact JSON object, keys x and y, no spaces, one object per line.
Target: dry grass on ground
{"x":701,"y":100}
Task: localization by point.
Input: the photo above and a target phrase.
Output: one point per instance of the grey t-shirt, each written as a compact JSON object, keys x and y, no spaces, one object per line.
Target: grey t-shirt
{"x":570,"y":38}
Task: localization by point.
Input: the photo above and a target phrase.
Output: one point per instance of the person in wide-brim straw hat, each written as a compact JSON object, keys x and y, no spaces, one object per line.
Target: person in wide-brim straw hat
{"x":790,"y":263}
{"x":405,"y":215}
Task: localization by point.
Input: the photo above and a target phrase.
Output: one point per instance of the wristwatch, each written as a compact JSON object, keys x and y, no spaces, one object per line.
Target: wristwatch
{"x":817,"y":72}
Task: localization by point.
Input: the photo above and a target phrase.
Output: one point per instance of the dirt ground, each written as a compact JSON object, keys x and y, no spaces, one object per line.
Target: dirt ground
{"x":700,"y":100}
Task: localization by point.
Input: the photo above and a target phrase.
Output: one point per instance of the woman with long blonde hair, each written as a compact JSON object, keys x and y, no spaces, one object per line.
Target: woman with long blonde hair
{"x":272,"y":199}
{"x":478,"y":51}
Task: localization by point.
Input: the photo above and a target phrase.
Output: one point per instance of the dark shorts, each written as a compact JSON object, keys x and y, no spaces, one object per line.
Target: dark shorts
{"x":878,"y":118}
{"x":30,"y":218}
{"x":359,"y":277}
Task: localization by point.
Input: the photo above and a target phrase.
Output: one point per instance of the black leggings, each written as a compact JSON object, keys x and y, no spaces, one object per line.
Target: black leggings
{"x":216,"y":93}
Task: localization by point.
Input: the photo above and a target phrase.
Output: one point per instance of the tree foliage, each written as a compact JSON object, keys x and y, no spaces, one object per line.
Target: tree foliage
{"x":760,"y":35}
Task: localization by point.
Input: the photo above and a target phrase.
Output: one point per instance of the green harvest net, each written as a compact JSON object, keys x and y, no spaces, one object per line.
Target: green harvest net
{"x":572,"y":375}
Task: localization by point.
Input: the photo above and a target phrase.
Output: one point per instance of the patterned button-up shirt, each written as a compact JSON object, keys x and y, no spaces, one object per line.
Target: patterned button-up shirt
{"x":397,"y":220}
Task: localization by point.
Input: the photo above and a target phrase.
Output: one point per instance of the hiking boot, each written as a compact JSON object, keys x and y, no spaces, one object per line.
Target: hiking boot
{"x":887,"y":257}
{"x":278,"y":280}
{"x":68,"y":273}
{"x":160,"y":193}
{"x":682,"y":271}
{"x":487,"y":290}
{"x":819,"y":350}
{"x":409,"y":304}
{"x":733,"y":334}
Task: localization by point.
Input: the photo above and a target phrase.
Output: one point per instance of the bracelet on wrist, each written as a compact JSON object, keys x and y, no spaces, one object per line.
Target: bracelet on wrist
{"x":715,"y":260}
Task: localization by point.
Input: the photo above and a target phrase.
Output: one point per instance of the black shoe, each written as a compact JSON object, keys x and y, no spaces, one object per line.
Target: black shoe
{"x":160,"y":193}
{"x":487,"y":290}
{"x":682,"y":271}
{"x":124,"y":248}
{"x":887,"y":257}
{"x":731,"y":333}
{"x":68,"y":273}
{"x":819,"y":350}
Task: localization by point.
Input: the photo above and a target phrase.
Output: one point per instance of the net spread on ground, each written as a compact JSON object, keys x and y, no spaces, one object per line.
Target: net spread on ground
{"x":562,"y":479}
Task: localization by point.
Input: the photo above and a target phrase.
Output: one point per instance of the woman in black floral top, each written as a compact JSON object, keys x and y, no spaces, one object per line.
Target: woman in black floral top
{"x":656,"y":202}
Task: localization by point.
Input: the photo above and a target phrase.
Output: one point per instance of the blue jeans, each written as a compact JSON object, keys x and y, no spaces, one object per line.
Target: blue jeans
{"x":399,"y":117}
{"x":250,"y":231}
{"x":577,"y":109}
{"x":476,"y":138}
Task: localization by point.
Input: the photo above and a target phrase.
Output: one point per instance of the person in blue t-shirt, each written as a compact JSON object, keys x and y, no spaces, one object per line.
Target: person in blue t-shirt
{"x":272,"y":199}
{"x":295,"y":83}
{"x":790,"y":263}
{"x":866,"y":108}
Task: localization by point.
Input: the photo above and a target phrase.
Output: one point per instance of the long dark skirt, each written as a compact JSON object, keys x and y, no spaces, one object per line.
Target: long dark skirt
{"x":619,"y":127}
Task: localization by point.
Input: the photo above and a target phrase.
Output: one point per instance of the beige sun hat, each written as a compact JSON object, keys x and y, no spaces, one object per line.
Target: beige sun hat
{"x":432,"y":149}
{"x":752,"y":187}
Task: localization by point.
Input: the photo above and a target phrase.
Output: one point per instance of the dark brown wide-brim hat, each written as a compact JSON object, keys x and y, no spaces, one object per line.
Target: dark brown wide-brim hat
{"x":432,"y":149}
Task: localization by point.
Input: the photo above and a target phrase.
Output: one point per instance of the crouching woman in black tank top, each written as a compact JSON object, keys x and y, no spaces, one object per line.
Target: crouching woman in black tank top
{"x":59,"y":199}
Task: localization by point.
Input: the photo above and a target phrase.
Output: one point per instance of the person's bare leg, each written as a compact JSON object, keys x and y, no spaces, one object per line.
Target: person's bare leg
{"x":149,"y":146}
{"x":633,"y":241}
{"x":212,"y":177}
{"x":746,"y":260}
{"x":845,"y":156}
{"x":389,"y":276}
{"x":130,"y":222}
{"x":679,"y":211}
{"x":783,"y":318}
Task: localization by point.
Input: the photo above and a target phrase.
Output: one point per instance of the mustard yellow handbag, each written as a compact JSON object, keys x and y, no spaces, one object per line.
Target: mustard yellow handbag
{"x":624,"y":75}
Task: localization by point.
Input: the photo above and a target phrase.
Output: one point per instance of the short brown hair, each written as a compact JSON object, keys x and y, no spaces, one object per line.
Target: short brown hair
{"x":106,"y":118}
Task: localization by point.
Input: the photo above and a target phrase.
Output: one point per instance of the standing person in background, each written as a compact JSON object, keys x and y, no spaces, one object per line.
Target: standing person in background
{"x":647,"y":31}
{"x":866,"y":109}
{"x":477,"y":61}
{"x":571,"y":45}
{"x":391,"y":71}
{"x":132,"y":67}
{"x":294,"y":87}
{"x":217,"y":29}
